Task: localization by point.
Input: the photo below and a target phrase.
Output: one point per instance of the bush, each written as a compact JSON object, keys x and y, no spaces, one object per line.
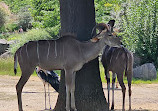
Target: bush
{"x":103,"y":9}
{"x":141,"y":30}
{"x":31,"y":35}
{"x":45,"y":13}
{"x":11,"y":27}
{"x":2,"y":19}
{"x":24,"y":18}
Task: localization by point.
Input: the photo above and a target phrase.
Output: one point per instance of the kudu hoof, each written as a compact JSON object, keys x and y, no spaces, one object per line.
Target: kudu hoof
{"x":112,"y":107}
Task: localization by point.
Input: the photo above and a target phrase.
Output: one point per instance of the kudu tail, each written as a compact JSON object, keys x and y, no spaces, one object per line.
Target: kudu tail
{"x":15,"y":63}
{"x":127,"y":62}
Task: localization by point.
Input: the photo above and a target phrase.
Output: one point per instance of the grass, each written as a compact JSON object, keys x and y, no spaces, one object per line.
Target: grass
{"x":134,"y":80}
{"x":7,"y":68}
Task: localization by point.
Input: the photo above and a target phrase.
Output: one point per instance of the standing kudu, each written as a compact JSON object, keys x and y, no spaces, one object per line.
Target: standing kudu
{"x":118,"y":60}
{"x":65,"y":53}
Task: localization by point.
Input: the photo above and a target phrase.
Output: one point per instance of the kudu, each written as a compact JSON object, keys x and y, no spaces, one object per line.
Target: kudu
{"x":66,"y":53}
{"x":118,"y":60}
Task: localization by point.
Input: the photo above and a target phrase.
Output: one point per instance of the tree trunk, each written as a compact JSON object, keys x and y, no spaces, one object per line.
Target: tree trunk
{"x":78,"y":17}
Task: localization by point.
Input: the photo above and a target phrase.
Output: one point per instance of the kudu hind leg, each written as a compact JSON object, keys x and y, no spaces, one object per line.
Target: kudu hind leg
{"x":113,"y":87}
{"x":129,"y":78}
{"x":24,"y":78}
{"x":120,"y":79}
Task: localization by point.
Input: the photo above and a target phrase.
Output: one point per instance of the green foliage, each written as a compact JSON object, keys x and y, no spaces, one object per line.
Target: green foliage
{"x":16,"y":5}
{"x":103,"y":9}
{"x":141,"y":29}
{"x":24,"y":18}
{"x":53,"y":31}
{"x":32,"y":35}
{"x":108,"y":9}
{"x":6,"y":66}
{"x":2,"y":18}
{"x":10,"y":27}
{"x":46,"y":13}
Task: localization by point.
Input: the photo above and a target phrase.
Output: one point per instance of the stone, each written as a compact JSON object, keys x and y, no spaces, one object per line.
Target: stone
{"x":146,"y":71}
{"x":137,"y":60}
{"x":3,"y":46}
{"x":6,"y":55}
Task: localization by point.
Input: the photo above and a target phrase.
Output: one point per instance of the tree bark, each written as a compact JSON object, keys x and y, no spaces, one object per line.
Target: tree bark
{"x":78,"y":17}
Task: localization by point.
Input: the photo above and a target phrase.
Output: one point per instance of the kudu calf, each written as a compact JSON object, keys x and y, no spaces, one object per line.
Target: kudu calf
{"x":65,"y":53}
{"x":118,"y":60}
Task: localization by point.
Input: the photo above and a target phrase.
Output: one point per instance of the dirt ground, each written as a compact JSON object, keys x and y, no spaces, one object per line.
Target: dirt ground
{"x":144,"y":96}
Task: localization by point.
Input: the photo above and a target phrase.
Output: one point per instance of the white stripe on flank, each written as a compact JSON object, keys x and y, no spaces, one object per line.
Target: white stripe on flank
{"x":55,"y":50}
{"x":27,"y":51}
{"x":20,"y":54}
{"x":37,"y":51}
{"x":48,"y":49}
{"x":117,"y":54}
{"x":111,"y":56}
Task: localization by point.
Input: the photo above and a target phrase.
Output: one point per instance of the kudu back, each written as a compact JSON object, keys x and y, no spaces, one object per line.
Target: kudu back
{"x":118,"y":61}
{"x":66,"y":53}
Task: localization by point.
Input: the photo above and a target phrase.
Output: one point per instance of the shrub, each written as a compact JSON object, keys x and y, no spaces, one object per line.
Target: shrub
{"x":45,"y":13}
{"x":10,"y":27}
{"x":2,"y":18}
{"x":24,"y":18}
{"x":141,"y":29}
{"x":31,"y":35}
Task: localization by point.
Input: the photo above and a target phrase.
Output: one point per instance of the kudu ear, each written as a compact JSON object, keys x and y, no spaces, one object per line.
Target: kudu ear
{"x":95,"y":39}
{"x":111,"y":23}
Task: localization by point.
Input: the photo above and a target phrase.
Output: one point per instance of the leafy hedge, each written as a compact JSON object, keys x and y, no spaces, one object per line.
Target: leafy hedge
{"x":141,"y":29}
{"x":2,"y":18}
{"x":33,"y":35}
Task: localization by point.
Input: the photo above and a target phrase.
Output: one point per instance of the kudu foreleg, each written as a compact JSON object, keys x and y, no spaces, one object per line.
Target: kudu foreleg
{"x":113,"y":87}
{"x":108,"y":86}
{"x":73,"y":106}
{"x":68,"y":82}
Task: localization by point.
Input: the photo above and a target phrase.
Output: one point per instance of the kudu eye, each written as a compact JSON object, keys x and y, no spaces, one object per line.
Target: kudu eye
{"x":109,"y":33}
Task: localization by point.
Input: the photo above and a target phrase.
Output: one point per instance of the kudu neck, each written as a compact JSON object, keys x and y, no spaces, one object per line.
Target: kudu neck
{"x":92,"y":49}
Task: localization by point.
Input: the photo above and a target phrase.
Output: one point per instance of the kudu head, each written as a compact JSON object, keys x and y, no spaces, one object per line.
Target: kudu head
{"x":105,"y":33}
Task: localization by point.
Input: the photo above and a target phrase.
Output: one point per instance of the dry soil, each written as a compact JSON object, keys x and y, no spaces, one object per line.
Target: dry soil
{"x":144,"y":96}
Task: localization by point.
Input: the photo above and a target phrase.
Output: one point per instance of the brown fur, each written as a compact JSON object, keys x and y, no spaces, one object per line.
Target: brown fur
{"x":118,"y":60}
{"x":65,"y":53}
